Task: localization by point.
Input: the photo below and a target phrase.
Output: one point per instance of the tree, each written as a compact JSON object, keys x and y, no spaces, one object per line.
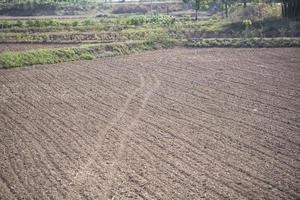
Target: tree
{"x":290,"y":8}
{"x":226,"y":7}
{"x":245,"y":3}
{"x":197,"y":5}
{"x":227,"y":3}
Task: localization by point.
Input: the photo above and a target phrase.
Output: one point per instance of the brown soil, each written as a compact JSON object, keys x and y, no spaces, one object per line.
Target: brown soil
{"x":167,"y":124}
{"x":22,"y":47}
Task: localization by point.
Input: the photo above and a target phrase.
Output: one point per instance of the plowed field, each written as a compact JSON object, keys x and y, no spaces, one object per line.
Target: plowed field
{"x":166,"y":124}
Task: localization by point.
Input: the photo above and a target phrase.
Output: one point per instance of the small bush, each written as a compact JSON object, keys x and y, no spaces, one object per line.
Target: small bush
{"x":163,"y":20}
{"x":134,"y":20}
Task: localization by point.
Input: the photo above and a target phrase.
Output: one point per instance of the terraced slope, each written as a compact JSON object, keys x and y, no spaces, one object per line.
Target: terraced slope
{"x":22,"y":47}
{"x":167,"y":124}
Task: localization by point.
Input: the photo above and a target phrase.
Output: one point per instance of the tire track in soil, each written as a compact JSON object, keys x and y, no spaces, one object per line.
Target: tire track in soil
{"x":260,"y":129}
{"x":81,"y":175}
{"x":124,"y":137}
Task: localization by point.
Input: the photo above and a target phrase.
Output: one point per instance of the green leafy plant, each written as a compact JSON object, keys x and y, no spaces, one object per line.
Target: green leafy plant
{"x":247,"y":23}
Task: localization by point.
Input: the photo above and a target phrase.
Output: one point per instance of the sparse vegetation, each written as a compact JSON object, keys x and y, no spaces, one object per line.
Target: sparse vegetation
{"x":46,"y":56}
{"x":56,"y":55}
{"x":245,"y":43}
{"x":251,"y":21}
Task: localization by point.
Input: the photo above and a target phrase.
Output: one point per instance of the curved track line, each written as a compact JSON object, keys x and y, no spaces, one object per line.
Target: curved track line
{"x":82,"y":173}
{"x":124,"y":137}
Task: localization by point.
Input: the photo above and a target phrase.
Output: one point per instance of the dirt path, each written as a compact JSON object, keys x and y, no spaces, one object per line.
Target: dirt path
{"x":167,"y":124}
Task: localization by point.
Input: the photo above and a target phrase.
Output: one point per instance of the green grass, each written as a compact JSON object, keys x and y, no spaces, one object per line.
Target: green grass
{"x":87,"y":56}
{"x":245,"y":43}
{"x":44,"y":56}
{"x":88,"y":52}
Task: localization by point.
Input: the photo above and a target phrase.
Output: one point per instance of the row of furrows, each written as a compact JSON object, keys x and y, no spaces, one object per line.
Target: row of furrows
{"x":251,"y":70}
{"x":271,"y":65}
{"x":186,"y":80}
{"x":162,"y":150}
{"x":57,"y":161}
{"x":111,"y":139}
{"x":275,"y":132}
{"x":277,"y":60}
{"x":113,"y":145}
{"x":226,"y":135}
{"x":233,"y":73}
{"x":106,"y":148}
{"x":56,"y":146}
{"x":44,"y":107}
{"x":43,"y":172}
{"x":181,"y":166}
{"x":208,"y":91}
{"x":53,"y":117}
{"x":82,"y":90}
{"x":176,"y":134}
{"x":233,"y":104}
{"x":240,"y":131}
{"x":215,"y":138}
{"x":208,"y":95}
{"x":226,"y":106}
{"x":214,"y":81}
{"x":109,"y":146}
{"x":242,"y":63}
{"x":5,"y":191}
{"x":48,"y":150}
{"x":19,"y":113}
{"x":154,"y":85}
{"x":244,"y":114}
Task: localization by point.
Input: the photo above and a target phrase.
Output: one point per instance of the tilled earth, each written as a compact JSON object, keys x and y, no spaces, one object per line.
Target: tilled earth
{"x":166,"y":124}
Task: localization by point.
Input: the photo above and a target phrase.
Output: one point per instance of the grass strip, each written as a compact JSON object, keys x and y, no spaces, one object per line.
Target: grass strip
{"x":56,"y":55}
{"x":244,"y":43}
{"x":11,"y":59}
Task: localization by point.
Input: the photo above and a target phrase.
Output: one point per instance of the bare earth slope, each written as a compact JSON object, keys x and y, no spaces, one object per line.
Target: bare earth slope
{"x":167,"y":124}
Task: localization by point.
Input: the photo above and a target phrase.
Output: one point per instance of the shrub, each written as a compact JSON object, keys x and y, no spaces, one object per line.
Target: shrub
{"x":134,"y":20}
{"x":163,"y":20}
{"x":137,"y":20}
{"x":247,"y":23}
